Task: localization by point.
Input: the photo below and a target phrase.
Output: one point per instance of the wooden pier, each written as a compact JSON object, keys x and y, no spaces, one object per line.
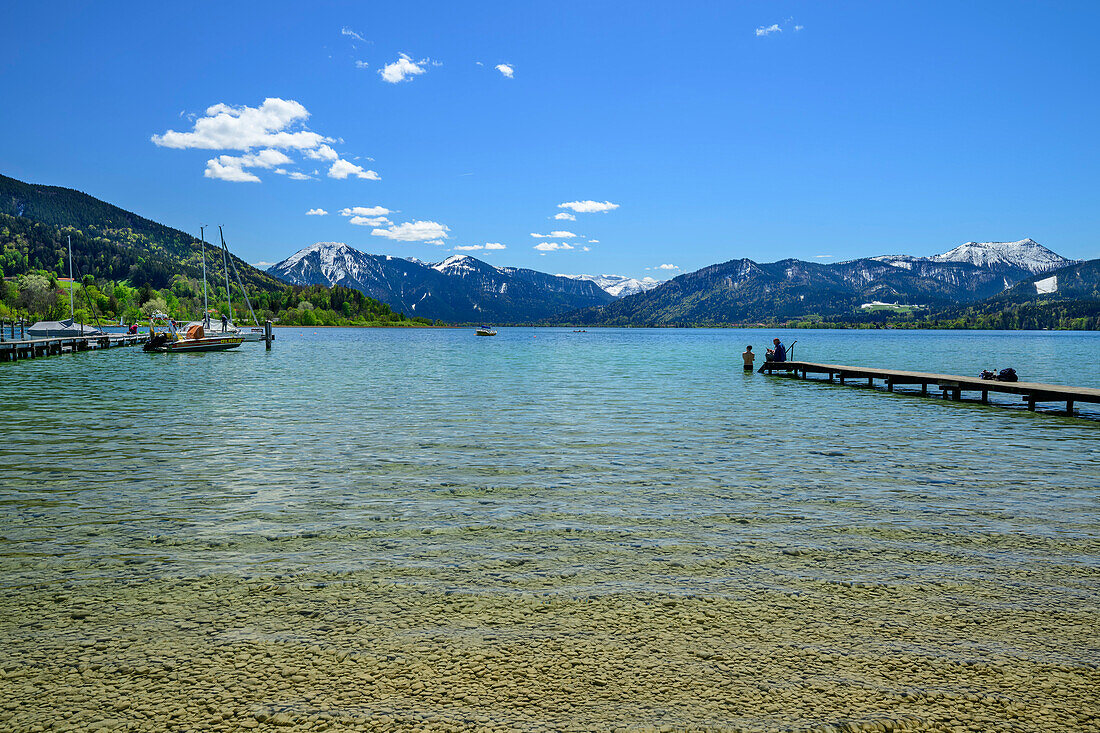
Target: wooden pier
{"x":951,"y":386}
{"x":14,"y":350}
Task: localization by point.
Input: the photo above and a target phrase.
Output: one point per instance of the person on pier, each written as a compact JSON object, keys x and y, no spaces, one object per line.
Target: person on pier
{"x":779,"y":353}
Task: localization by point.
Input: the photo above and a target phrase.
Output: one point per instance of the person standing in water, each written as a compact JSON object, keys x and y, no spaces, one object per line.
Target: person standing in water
{"x":748,"y":357}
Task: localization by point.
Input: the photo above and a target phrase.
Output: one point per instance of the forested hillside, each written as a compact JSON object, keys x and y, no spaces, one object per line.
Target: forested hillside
{"x":107,"y":241}
{"x":129,"y":267}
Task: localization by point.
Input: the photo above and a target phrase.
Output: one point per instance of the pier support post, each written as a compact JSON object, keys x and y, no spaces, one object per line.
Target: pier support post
{"x":889,"y":385}
{"x":1069,"y":407}
{"x":924,"y":388}
{"x":1030,"y":402}
{"x":870,"y":381}
{"x":268,"y":336}
{"x":985,"y":396}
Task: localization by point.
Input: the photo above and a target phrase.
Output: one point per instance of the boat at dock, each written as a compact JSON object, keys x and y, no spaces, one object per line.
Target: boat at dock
{"x":230,"y":329}
{"x":191,"y":340}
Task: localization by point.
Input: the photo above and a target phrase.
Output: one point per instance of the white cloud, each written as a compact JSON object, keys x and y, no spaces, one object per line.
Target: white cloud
{"x":262,"y":265}
{"x":823,"y":257}
{"x":361,"y":64}
{"x":507,"y":69}
{"x":229,"y":168}
{"x":553,"y":246}
{"x":244,"y":128}
{"x":437,"y":242}
{"x":324,"y":152}
{"x":799,"y":27}
{"x":668,"y":267}
{"x":588,"y":207}
{"x":415,"y":231}
{"x":479,"y":63}
{"x":554,"y":235}
{"x":265,"y":159}
{"x":275,"y":126}
{"x":345,"y":31}
{"x":402,"y":70}
{"x":594,"y":241}
{"x":586,"y":248}
{"x":476,"y":247}
{"x":341,"y":169}
{"x":564,"y":216}
{"x":369,"y":221}
{"x":365,"y":211}
{"x":316,"y":212}
{"x":773,"y":28}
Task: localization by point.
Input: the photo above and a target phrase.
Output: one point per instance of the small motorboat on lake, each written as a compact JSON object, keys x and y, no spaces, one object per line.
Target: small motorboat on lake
{"x":191,"y":340}
{"x":486,"y":331}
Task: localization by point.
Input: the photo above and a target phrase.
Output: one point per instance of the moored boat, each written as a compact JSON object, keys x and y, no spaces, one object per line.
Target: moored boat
{"x":192,"y":340}
{"x":486,"y":331}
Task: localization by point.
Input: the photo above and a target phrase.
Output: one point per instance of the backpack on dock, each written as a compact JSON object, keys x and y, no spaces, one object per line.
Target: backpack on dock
{"x":986,"y":374}
{"x":1007,"y":375}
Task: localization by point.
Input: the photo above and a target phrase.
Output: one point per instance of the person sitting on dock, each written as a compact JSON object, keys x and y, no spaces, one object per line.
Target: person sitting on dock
{"x":779,"y":353}
{"x":748,"y":357}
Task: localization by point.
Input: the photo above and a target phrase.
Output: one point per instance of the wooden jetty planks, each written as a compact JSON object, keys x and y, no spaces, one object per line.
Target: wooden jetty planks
{"x":952,"y":385}
{"x":33,"y":348}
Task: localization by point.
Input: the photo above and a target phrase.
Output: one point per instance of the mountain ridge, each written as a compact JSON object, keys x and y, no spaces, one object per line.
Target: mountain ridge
{"x":743,"y":290}
{"x":459,"y":288}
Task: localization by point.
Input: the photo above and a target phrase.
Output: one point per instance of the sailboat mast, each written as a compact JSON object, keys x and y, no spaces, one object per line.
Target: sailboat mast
{"x":205,"y":302}
{"x":225,"y":264}
{"x":72,"y":310}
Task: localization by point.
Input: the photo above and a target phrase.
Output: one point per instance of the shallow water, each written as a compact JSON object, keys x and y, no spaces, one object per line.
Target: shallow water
{"x":592,"y":514}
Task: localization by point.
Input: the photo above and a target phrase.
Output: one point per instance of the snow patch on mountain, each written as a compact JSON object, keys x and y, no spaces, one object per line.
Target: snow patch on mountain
{"x":619,"y":286}
{"x":1047,"y":285}
{"x":1026,"y":254}
{"x":332,"y":261}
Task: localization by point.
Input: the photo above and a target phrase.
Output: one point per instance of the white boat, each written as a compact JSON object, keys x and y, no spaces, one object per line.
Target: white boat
{"x":486,"y":331}
{"x":61,"y":329}
{"x":213,"y":327}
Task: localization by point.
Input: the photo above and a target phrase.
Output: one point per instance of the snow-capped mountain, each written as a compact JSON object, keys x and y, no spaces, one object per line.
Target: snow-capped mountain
{"x":458,"y":289}
{"x":747,"y":291}
{"x":1026,"y":254}
{"x":618,"y":285}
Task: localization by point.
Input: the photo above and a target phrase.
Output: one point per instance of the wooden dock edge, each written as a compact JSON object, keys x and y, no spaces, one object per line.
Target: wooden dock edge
{"x":37,"y":348}
{"x":952,"y":386}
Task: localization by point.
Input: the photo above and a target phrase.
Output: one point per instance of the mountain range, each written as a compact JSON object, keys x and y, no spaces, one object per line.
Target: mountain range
{"x":115,"y":244}
{"x":464,"y":289}
{"x":459,"y":289}
{"x":741,"y":291}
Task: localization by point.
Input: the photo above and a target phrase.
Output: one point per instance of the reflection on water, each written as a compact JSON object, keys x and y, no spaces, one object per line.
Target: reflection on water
{"x":629,"y":500}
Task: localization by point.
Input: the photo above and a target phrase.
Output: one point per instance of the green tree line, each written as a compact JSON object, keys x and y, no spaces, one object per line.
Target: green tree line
{"x":41,"y":295}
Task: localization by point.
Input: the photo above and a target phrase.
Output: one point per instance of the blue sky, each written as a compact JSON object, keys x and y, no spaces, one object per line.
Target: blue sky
{"x":718,"y":130}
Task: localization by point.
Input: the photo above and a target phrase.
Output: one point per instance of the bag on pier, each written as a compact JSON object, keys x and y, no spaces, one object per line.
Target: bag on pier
{"x":1007,"y":375}
{"x":986,"y":374}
